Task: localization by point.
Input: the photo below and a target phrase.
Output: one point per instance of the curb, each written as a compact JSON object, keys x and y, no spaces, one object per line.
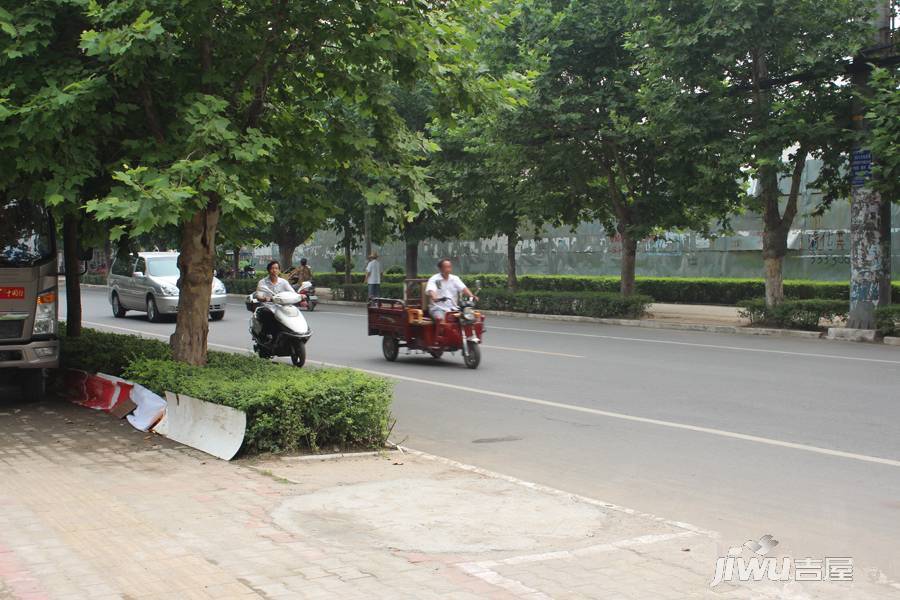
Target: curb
{"x":847,"y":334}
{"x":892,"y":340}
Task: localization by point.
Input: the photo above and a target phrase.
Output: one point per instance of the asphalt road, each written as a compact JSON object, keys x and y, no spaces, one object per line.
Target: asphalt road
{"x":742,"y":435}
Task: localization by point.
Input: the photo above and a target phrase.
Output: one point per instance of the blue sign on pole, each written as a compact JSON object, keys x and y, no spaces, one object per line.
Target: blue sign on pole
{"x":860,"y":167}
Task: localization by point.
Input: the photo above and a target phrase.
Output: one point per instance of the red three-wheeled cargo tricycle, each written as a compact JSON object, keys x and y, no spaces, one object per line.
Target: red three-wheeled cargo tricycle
{"x":407,"y":324}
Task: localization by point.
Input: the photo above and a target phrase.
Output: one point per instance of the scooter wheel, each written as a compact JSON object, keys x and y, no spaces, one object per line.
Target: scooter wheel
{"x":298,"y":354}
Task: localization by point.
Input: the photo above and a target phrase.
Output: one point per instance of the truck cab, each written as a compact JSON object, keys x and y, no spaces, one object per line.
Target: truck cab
{"x":29,"y":299}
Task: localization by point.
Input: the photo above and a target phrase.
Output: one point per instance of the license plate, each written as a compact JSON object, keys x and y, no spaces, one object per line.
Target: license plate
{"x":12,"y":293}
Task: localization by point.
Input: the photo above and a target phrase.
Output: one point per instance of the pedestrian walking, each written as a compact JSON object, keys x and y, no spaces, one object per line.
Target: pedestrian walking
{"x":373,"y":276}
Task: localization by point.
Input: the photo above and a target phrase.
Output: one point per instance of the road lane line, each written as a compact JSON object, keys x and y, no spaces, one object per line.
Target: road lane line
{"x":581,"y":409}
{"x":563,"y":354}
{"x":698,"y":345}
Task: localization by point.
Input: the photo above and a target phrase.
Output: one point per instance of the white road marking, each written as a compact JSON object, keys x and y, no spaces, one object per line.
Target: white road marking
{"x":697,"y":345}
{"x":563,"y":354}
{"x":544,"y":489}
{"x":582,"y":409}
{"x":484,"y":570}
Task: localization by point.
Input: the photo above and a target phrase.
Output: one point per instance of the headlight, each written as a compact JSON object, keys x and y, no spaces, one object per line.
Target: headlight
{"x":468,"y":313}
{"x":168,"y":289}
{"x":45,"y":314}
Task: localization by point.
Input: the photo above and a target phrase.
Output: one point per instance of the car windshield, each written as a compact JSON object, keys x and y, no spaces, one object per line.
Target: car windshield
{"x":26,"y":233}
{"x":163,"y":267}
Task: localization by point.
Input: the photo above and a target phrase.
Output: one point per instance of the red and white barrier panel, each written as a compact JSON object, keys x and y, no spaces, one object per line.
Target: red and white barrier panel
{"x":116,"y":396}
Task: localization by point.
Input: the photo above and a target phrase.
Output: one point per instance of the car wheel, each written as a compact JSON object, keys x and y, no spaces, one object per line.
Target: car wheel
{"x":152,"y":311}
{"x":390,"y":347}
{"x":217,"y":315}
{"x":117,"y":309}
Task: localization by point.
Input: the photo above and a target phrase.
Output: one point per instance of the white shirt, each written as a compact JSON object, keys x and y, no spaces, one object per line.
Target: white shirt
{"x":373,"y":272}
{"x":450,"y":288}
{"x":267,"y":287}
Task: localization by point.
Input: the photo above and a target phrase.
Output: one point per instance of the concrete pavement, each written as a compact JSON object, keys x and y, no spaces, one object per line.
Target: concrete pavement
{"x":92,"y":509}
{"x":744,"y":436}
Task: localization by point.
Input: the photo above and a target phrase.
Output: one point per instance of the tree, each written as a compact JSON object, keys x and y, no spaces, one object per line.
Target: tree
{"x":58,"y":120}
{"x":603,"y":141}
{"x":771,"y":68}
{"x":480,"y":166}
{"x":186,"y":107}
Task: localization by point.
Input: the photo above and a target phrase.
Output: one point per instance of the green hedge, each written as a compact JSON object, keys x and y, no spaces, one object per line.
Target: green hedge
{"x":287,"y":408}
{"x":111,"y":353}
{"x":793,"y":314}
{"x":359,"y":292}
{"x":241,"y":286}
{"x":887,"y":319}
{"x":680,"y":290}
{"x":588,"y":304}
{"x":93,"y":279}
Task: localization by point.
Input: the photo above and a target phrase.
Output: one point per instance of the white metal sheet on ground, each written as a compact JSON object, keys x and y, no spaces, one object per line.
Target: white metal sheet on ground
{"x":213,"y":428}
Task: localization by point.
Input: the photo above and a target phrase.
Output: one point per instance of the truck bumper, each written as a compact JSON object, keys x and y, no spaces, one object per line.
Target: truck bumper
{"x":33,"y":355}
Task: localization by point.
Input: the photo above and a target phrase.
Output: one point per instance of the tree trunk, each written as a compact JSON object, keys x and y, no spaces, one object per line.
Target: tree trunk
{"x":72,"y":262}
{"x":348,"y":257}
{"x":884,"y":296}
{"x":236,"y":259}
{"x":286,"y":255}
{"x":367,"y":231}
{"x":774,"y":250}
{"x":512,"y":279}
{"x":629,"y":254}
{"x":196,"y":262}
{"x":107,"y":255}
{"x":412,"y":259}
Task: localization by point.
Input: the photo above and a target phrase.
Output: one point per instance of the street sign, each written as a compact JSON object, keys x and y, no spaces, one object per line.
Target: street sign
{"x":860,"y":167}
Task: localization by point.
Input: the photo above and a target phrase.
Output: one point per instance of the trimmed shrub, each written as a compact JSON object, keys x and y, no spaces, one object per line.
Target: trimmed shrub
{"x":287,"y":408}
{"x":339,"y":263}
{"x":679,"y":290}
{"x":241,"y":286}
{"x":887,"y":319}
{"x":793,"y":314}
{"x":395,"y":270}
{"x":587,"y":304}
{"x":93,"y":279}
{"x":359,"y":292}
{"x":111,"y":353}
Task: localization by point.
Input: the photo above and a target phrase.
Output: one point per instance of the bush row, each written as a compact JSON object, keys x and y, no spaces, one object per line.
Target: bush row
{"x":93,"y":279}
{"x":682,"y":290}
{"x":793,"y":314}
{"x":287,"y":409}
{"x":588,"y":304}
{"x":887,"y":319}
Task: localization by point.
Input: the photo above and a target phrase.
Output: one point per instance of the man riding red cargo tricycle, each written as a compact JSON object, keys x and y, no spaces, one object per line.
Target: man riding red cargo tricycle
{"x":429,"y":319}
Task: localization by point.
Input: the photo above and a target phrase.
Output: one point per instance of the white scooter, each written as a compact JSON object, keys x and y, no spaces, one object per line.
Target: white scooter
{"x":278,"y":328}
{"x":308,"y":298}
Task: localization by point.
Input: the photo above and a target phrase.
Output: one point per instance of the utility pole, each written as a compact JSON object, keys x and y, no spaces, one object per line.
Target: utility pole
{"x":870,"y":226}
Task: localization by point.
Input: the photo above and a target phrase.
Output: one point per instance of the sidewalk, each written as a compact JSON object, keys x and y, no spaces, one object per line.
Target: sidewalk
{"x":90,"y":508}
